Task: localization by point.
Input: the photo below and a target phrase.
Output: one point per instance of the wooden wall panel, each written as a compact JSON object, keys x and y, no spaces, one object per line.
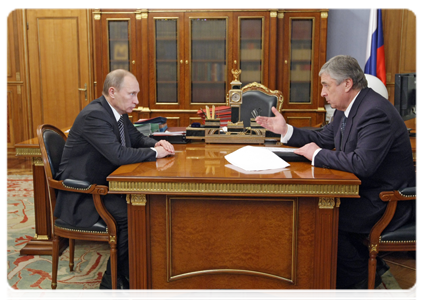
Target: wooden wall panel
{"x":17,"y":105}
{"x":392,"y":34}
{"x":407,"y":63}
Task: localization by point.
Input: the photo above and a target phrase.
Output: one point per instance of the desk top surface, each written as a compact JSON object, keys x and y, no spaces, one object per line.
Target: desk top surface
{"x":206,"y":163}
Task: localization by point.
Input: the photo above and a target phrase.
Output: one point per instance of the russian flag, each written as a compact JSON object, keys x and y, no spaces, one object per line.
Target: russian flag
{"x":375,"y":52}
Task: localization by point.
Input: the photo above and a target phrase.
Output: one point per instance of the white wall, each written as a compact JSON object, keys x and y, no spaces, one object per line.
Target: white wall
{"x":347,"y":33}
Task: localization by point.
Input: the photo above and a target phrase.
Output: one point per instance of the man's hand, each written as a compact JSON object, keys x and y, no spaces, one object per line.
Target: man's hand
{"x":276,"y":124}
{"x":166,"y":145}
{"x":307,"y":150}
{"x":162,"y":152}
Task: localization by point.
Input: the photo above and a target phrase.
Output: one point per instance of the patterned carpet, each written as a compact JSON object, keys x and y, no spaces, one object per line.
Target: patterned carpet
{"x":34,"y":271}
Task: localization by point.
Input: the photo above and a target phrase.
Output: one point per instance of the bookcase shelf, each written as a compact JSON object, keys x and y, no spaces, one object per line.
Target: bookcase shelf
{"x":183,"y":58}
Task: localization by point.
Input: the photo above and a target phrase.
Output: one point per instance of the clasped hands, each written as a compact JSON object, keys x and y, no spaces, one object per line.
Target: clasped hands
{"x":277,"y":124}
{"x":164,"y":148}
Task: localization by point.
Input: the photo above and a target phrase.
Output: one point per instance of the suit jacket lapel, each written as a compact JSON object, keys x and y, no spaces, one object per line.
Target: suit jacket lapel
{"x":106,"y":106}
{"x":338,"y":118}
{"x":351,"y":116}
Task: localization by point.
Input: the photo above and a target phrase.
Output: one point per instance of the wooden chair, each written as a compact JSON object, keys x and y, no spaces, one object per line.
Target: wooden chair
{"x":52,"y":141}
{"x":258,"y":97}
{"x":402,"y":239}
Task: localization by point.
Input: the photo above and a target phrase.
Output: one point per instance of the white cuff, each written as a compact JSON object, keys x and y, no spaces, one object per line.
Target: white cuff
{"x":152,"y":148}
{"x":285,"y":139}
{"x":314,"y":155}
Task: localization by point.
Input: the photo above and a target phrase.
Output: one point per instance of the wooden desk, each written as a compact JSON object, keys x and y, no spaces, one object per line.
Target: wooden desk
{"x":41,"y":244}
{"x":194,"y":223}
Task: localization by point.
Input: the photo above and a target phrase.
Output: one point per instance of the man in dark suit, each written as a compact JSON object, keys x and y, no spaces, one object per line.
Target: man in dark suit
{"x":372,"y":142}
{"x":95,"y":147}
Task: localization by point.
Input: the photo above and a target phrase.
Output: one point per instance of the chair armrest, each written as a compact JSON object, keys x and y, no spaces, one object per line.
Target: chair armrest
{"x":405,"y":194}
{"x":78,"y":186}
{"x":392,"y":197}
{"x":408,"y":192}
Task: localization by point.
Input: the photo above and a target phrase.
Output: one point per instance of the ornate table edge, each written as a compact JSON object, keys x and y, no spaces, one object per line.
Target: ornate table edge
{"x":175,"y":188}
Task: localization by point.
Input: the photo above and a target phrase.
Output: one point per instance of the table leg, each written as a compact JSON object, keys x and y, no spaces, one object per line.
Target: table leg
{"x":137,"y":241}
{"x":326,"y":243}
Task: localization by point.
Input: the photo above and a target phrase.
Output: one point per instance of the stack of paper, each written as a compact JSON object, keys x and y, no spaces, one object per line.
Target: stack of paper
{"x":256,"y":159}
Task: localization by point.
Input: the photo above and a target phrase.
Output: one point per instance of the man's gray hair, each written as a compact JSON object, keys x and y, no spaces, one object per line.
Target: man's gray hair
{"x":342,"y":67}
{"x":115,"y":79}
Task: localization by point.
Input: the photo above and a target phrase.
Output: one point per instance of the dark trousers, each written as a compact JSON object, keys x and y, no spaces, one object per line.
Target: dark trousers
{"x":117,"y":206}
{"x":352,"y":260}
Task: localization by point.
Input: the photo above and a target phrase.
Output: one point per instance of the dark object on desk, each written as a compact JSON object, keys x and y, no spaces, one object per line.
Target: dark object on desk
{"x":290,"y":156}
{"x":156,"y":120}
{"x":195,"y":132}
{"x":173,"y":139}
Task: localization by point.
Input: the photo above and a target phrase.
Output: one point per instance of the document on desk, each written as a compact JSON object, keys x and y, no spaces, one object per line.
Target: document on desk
{"x":255,"y":159}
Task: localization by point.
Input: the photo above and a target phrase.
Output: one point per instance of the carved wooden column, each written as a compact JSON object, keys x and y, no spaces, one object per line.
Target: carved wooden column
{"x":326,"y":242}
{"x":137,"y":239}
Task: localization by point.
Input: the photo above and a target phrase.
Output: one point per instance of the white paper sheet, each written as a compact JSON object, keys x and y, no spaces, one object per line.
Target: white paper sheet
{"x":261,"y":172}
{"x":255,"y":159}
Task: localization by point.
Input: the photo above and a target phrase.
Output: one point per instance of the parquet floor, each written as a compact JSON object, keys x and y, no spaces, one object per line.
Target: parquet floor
{"x":402,"y":264}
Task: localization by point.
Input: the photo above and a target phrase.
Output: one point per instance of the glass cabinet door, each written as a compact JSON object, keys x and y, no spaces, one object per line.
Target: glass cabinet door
{"x":251,"y":49}
{"x":118,"y":44}
{"x":166,"y":62}
{"x":208,"y":54}
{"x":301,"y":62}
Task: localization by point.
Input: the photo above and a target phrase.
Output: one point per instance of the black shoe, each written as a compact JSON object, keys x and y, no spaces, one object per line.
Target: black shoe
{"x":356,"y":291}
{"x":106,"y":282}
{"x":381,"y":266}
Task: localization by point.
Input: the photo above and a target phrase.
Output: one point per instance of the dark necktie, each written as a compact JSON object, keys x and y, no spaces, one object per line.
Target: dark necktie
{"x":343,"y":123}
{"x":121,"y":131}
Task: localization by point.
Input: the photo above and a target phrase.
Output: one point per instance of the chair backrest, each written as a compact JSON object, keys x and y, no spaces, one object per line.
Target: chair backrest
{"x":258,"y":99}
{"x":52,"y":141}
{"x":377,"y":85}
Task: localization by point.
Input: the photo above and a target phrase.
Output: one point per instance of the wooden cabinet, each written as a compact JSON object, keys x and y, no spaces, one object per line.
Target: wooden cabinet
{"x":302,"y":52}
{"x":252,"y":51}
{"x":118,"y":44}
{"x":183,"y":59}
{"x":192,"y":53}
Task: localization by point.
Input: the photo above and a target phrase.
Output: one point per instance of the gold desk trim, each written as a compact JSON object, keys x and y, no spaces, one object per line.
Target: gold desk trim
{"x":323,"y":190}
{"x":28,"y":152}
{"x":229,"y":272}
{"x":329,"y":202}
{"x":136,"y":199}
{"x":41,"y":237}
